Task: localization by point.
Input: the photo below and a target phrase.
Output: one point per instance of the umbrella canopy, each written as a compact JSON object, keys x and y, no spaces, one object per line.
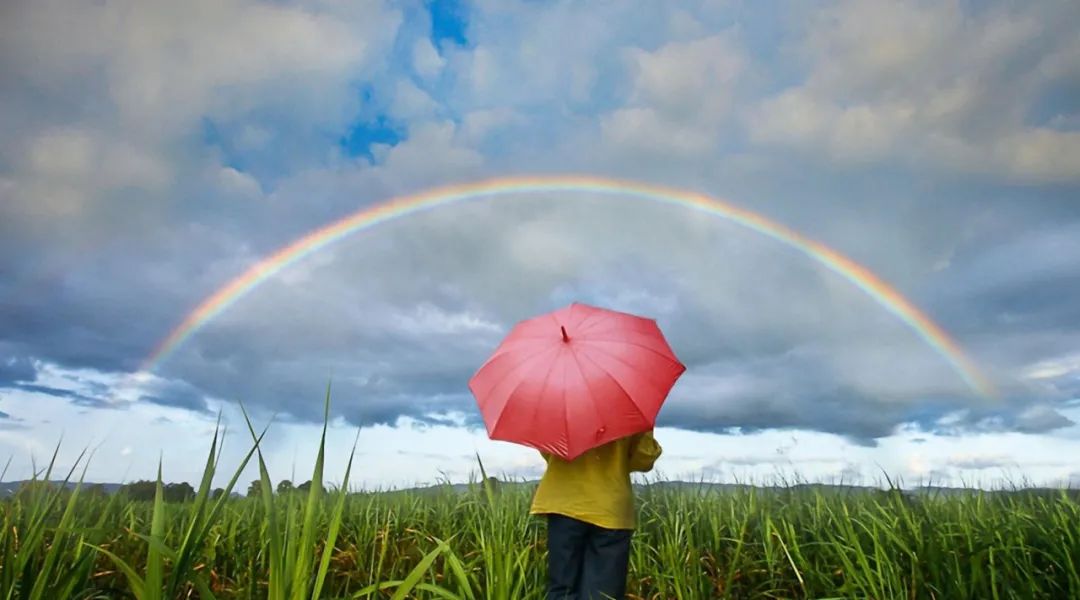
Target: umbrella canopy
{"x":575,"y":379}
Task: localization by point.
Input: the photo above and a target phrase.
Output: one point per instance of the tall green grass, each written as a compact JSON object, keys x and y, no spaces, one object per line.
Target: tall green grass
{"x":692,"y":542}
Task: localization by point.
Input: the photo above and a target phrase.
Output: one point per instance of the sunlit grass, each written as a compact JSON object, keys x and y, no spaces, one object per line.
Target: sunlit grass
{"x":692,"y":542}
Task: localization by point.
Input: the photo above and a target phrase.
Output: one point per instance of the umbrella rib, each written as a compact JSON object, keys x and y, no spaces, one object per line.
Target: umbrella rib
{"x":617,"y":384}
{"x":592,"y":400}
{"x":506,"y":375}
{"x":615,"y":315}
{"x":547,"y":378}
{"x":565,"y":413}
{"x":521,"y":362}
{"x":498,"y":418}
{"x":555,"y":320}
{"x":666,"y":357}
{"x":511,"y":348}
{"x":635,"y":368}
{"x":580,"y":328}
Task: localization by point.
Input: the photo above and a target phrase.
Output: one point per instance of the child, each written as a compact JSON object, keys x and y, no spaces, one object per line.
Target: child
{"x":590,"y":510}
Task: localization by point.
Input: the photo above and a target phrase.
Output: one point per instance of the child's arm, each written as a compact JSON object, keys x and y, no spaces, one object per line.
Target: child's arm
{"x":644,"y":450}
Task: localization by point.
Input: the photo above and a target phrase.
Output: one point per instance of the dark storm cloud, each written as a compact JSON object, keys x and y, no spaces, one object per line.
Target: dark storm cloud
{"x":849,"y":413}
{"x":1024,"y":418}
{"x":177,"y":395}
{"x":75,"y":397}
{"x":16,"y":369}
{"x":96,"y":315}
{"x":20,"y":373}
{"x":1040,"y":419}
{"x":1015,"y":278}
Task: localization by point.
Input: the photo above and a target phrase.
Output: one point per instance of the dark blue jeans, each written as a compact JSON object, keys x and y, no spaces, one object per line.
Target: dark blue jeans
{"x":586,"y":562}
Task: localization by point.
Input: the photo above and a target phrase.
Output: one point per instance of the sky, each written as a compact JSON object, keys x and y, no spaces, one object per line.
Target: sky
{"x":153,"y":151}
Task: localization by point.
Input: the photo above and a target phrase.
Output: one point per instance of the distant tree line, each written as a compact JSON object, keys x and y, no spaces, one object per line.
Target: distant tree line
{"x":283,"y":487}
{"x":145,"y":490}
{"x":180,"y":492}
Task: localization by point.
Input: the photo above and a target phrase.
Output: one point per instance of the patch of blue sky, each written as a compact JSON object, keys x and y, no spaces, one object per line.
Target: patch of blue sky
{"x":362,"y":135}
{"x":449,"y":21}
{"x":372,"y":126}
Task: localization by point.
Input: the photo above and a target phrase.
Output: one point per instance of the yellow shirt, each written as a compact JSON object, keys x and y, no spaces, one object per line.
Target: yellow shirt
{"x":595,"y":487}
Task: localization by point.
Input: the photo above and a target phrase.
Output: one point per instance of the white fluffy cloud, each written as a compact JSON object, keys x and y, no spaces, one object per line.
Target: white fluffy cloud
{"x":128,"y":85}
{"x":680,"y":97}
{"x":932,"y":85}
{"x":426,"y":59}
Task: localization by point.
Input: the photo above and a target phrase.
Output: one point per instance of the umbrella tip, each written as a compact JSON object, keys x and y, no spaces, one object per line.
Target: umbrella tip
{"x":565,"y":337}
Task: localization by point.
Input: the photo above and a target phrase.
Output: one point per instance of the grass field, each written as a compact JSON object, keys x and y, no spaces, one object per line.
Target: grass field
{"x":691,"y":543}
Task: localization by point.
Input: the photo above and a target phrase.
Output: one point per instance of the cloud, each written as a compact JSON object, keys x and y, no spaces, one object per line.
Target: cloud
{"x":935,"y":85}
{"x":21,"y":373}
{"x":411,"y":103}
{"x":426,"y":59}
{"x":75,"y":397}
{"x":1054,"y":368}
{"x":978,"y":462}
{"x":17,"y":369}
{"x":428,"y":320}
{"x":213,"y":68}
{"x":10,"y":423}
{"x":176,"y":394}
{"x":129,"y":89}
{"x":680,"y":97}
{"x":1040,"y":418}
{"x":436,"y":456}
{"x":1023,"y":417}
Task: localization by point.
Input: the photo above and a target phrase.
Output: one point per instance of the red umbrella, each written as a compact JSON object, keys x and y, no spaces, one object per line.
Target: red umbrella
{"x":575,"y":379}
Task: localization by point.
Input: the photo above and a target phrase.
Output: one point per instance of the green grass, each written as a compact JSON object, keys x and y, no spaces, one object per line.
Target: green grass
{"x":799,"y":542}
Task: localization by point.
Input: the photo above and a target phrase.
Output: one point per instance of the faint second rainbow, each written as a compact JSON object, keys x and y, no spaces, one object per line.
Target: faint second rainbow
{"x":395,"y":208}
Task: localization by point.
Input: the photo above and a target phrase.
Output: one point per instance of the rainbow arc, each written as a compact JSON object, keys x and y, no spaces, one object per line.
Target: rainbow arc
{"x":400,"y":207}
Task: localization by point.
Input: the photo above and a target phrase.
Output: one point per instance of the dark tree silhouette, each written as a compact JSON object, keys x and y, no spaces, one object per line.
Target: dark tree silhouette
{"x":178,"y":492}
{"x":139,"y":490}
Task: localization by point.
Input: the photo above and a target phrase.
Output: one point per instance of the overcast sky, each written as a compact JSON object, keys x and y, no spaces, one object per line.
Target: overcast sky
{"x":152,"y":151}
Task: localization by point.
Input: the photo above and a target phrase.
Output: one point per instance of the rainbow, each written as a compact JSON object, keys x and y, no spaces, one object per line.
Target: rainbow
{"x":403,"y":206}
